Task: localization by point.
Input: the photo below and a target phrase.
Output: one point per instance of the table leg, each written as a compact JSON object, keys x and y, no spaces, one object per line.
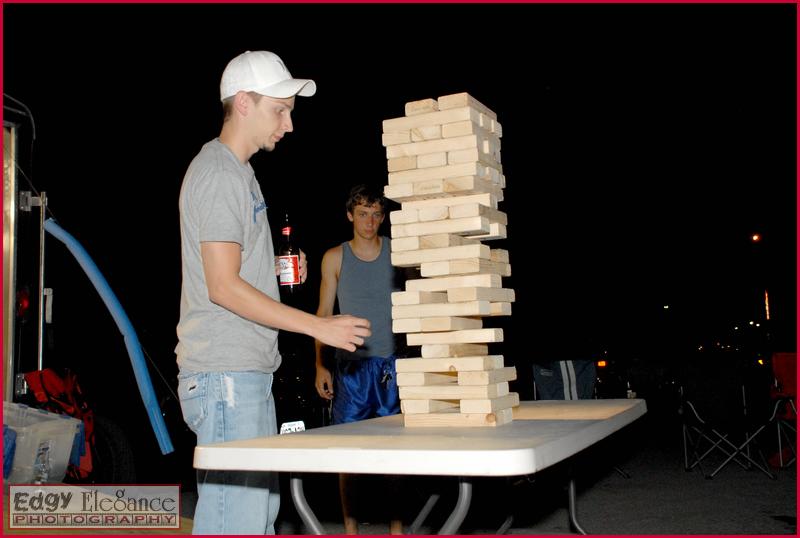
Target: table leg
{"x":423,"y":514}
{"x":573,"y":509}
{"x":301,"y":504}
{"x":462,"y":506}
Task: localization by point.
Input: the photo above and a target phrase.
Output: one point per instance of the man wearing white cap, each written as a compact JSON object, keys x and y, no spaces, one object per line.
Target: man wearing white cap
{"x":230,"y":310}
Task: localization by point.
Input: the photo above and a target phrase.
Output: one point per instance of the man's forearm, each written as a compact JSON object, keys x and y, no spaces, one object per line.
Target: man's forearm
{"x":248,"y":302}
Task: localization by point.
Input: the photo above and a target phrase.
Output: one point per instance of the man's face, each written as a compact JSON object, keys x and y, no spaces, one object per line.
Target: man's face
{"x":366,"y":219}
{"x":271,"y":120}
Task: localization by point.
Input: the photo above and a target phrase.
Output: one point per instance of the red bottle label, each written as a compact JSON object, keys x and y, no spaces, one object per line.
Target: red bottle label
{"x":290,"y":269}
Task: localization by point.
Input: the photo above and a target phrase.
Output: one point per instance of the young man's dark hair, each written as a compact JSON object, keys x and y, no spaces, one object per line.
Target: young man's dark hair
{"x":365,"y":195}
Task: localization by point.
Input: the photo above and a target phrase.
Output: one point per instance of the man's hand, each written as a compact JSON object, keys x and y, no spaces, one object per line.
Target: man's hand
{"x":342,"y":331}
{"x":302,"y":266}
{"x":324,"y":383}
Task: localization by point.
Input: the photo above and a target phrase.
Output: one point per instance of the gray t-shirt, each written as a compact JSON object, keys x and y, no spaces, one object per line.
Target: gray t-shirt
{"x":221,"y":200}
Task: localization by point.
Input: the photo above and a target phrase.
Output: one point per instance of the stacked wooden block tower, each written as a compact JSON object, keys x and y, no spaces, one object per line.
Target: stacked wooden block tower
{"x":444,"y":170}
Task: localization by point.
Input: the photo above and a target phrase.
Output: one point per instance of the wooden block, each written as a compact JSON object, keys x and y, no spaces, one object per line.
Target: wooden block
{"x":450,"y":364}
{"x":401,"y":137}
{"x":499,"y":309}
{"x":444,"y":419}
{"x":423,"y":214}
{"x":445,"y":283}
{"x":499,"y":255}
{"x":418,"y":242}
{"x":429,"y":214}
{"x":457,"y":100}
{"x":495,"y":295}
{"x":490,"y":124}
{"x":455,"y":186}
{"x":445,"y":240}
{"x":399,"y":193}
{"x":473,"y":155}
{"x":488,"y":377}
{"x":461,"y":128}
{"x":441,"y":188}
{"x":496,"y":128}
{"x":404,"y":216}
{"x":475,"y":308}
{"x":411,"y":258}
{"x":419,"y":379}
{"x":422,"y":106}
{"x":418,"y":297}
{"x":495,"y":175}
{"x":464,"y":128}
{"x":478,"y":170}
{"x":477,"y":210}
{"x":426,"y":132}
{"x":490,"y":405}
{"x":416,"y":407}
{"x":496,"y":231}
{"x":439,"y":213}
{"x":400,"y":244}
{"x":453,"y":392}
{"x":469,"y":336}
{"x":406,"y":123}
{"x":402,"y":163}
{"x":430,"y":351}
{"x":430,"y":160}
{"x":486,"y":199}
{"x":456,"y":174}
{"x":460,"y":267}
{"x":434,"y":146}
{"x":466,"y":226}
{"x":420,"y":325}
{"x":491,"y":146}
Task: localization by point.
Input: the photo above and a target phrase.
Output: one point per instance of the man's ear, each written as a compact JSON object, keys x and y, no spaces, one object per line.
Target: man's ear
{"x":241,"y":102}
{"x":349,"y":216}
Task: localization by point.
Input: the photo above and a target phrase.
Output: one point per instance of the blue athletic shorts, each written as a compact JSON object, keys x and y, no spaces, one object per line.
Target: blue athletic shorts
{"x":365,"y":388}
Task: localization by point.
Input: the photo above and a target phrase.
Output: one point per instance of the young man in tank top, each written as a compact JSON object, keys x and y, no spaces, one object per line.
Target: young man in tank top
{"x":359,"y":274}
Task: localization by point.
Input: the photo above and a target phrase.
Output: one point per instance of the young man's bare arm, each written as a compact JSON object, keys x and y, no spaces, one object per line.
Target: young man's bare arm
{"x":221,"y":265}
{"x":331,"y":265}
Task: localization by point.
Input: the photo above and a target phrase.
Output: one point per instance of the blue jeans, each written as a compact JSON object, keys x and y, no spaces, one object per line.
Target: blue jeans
{"x":229,"y":406}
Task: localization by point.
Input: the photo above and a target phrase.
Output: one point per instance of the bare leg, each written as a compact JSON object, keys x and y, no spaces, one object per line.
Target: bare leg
{"x":396,"y":527}
{"x":350,"y":522}
{"x":395,"y":484}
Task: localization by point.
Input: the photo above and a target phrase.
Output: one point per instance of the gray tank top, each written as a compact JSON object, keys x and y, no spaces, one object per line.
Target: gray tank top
{"x":365,"y":290}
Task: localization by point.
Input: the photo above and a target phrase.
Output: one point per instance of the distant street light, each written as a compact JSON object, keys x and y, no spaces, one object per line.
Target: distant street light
{"x":756,"y":238}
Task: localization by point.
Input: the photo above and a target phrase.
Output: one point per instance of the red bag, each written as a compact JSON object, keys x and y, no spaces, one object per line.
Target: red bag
{"x":63,"y":395}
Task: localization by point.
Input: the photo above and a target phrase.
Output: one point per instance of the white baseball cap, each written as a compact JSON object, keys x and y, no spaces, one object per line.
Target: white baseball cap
{"x":262,"y":72}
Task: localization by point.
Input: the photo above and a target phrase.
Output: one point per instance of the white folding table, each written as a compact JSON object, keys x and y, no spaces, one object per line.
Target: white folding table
{"x":542,"y":434}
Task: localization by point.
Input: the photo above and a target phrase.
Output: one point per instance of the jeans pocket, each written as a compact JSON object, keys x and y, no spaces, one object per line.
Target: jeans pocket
{"x":193,"y":395}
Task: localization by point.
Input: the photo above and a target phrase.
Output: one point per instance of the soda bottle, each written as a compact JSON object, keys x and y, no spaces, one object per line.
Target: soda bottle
{"x":288,"y":259}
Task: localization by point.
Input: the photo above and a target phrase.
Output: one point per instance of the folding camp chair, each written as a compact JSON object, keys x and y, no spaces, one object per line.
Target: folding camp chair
{"x":725,"y":409}
{"x":784,"y":396}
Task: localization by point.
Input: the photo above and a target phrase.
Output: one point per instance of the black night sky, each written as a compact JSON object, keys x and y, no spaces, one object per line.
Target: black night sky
{"x":642,"y":146}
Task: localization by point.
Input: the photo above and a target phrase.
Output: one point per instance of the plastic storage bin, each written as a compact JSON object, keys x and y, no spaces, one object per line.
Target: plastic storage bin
{"x":43,"y":445}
